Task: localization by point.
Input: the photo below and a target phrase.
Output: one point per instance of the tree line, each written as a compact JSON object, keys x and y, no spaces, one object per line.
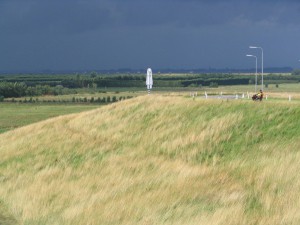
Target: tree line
{"x":20,"y":89}
{"x":101,"y":100}
{"x":36,"y":85}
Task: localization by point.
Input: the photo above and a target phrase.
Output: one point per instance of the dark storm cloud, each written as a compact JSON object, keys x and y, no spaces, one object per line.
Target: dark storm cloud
{"x":136,"y":33}
{"x":80,"y":16}
{"x":53,"y":16}
{"x":207,"y":12}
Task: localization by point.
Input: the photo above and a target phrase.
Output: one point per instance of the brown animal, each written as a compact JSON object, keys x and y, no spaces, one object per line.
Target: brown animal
{"x":259,"y":96}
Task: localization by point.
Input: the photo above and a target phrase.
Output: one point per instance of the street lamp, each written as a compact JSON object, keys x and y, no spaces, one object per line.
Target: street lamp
{"x":262,"y":65}
{"x":255,"y":70}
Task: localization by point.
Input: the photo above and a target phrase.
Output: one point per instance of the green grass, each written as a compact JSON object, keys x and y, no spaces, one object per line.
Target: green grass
{"x":13,"y":115}
{"x":293,"y":87}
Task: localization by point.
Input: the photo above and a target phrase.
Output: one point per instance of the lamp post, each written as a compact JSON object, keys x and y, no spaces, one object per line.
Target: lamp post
{"x":255,"y":70}
{"x":262,"y":65}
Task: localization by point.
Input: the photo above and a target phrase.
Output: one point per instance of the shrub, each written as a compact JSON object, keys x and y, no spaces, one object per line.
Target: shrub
{"x":193,"y":85}
{"x":213,"y":85}
{"x":1,"y":98}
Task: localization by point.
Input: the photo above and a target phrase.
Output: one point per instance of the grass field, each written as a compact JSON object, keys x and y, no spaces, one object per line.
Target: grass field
{"x":281,"y":92}
{"x":156,"y":160}
{"x":13,"y":115}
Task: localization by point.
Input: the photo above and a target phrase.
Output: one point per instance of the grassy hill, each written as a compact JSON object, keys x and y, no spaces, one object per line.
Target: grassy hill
{"x":155,"y":160}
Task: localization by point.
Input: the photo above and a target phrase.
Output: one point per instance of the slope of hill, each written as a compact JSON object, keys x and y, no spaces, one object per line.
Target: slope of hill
{"x":156,"y":160}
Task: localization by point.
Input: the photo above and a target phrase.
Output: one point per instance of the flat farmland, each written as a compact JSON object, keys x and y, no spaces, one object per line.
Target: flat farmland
{"x":13,"y":115}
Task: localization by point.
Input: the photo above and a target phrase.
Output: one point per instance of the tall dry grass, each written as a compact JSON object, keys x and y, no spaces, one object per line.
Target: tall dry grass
{"x":156,"y":160}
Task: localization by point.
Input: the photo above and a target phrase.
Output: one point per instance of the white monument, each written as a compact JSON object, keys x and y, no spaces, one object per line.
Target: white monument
{"x":149,"y":80}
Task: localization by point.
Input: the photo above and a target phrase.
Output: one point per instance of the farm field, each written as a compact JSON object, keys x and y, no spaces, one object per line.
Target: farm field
{"x":282,"y":91}
{"x":14,"y":115}
{"x":156,"y":160}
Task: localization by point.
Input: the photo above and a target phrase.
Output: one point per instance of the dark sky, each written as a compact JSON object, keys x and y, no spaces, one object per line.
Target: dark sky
{"x":112,"y":34}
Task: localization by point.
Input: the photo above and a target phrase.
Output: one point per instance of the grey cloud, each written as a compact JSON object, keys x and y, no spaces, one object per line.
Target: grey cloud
{"x":76,"y":16}
{"x":135,"y":33}
{"x":53,"y":16}
{"x":197,"y":13}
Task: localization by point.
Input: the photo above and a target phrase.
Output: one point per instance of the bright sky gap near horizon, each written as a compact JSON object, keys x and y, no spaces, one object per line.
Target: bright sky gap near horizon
{"x":178,"y":34}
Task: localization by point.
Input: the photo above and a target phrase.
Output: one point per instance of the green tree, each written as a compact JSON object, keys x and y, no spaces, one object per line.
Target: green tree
{"x":296,"y":72}
{"x":93,"y":74}
{"x":213,"y":85}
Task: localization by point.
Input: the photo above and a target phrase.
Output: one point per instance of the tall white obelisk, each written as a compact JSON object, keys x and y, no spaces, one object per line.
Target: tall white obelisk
{"x":149,"y":80}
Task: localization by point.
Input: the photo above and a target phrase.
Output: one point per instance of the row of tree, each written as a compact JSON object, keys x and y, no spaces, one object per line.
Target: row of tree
{"x":107,"y":99}
{"x":34,"y":85}
{"x":20,"y":89}
{"x":184,"y":80}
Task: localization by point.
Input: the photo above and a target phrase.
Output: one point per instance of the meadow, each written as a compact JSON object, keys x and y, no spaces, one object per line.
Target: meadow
{"x":281,"y":91}
{"x":14,"y":115}
{"x":156,"y":160}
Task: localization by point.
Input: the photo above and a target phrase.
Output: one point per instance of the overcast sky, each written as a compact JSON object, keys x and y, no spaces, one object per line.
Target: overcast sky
{"x":112,"y":34}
